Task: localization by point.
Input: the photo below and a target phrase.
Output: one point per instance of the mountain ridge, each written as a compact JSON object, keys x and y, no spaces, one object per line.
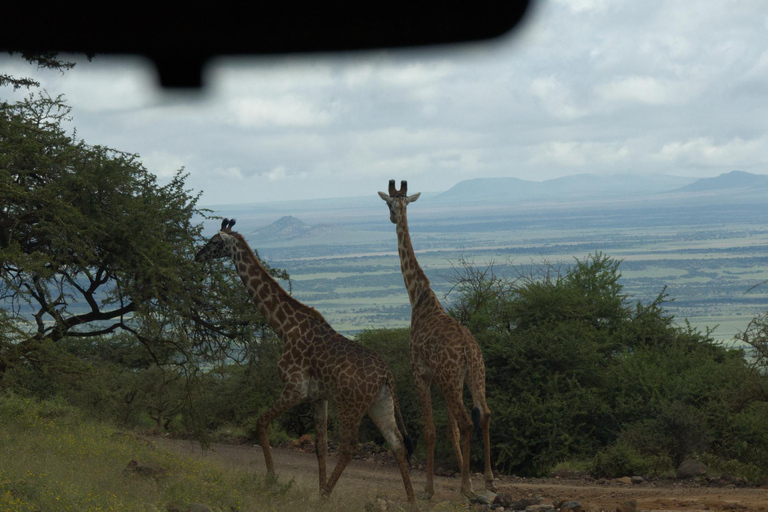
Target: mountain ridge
{"x":727,"y":181}
{"x":595,"y":186}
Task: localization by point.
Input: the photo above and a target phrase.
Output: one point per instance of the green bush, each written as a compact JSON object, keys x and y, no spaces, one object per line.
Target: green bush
{"x":574,"y":371}
{"x":16,"y":410}
{"x":619,"y":460}
{"x":719,"y":466}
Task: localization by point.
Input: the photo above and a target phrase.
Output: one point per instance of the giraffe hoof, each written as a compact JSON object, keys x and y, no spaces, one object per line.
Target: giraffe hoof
{"x":424,"y":496}
{"x":491,"y":486}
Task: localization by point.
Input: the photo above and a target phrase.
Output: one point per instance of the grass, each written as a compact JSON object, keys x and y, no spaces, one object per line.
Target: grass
{"x":56,"y":459}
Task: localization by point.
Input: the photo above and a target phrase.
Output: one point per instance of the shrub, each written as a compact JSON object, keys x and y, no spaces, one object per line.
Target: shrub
{"x":733,"y":468}
{"x":617,"y":461}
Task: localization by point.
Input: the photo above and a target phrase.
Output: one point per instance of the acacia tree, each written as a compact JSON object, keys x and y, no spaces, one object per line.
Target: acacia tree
{"x":754,"y":338}
{"x":45,"y":60}
{"x":99,"y":297}
{"x":91,"y":244}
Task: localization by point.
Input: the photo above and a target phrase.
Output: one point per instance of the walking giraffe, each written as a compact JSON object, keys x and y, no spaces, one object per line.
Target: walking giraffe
{"x":441,"y":350}
{"x":317,"y":364}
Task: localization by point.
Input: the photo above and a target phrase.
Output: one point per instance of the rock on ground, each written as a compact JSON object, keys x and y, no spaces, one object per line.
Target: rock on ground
{"x":691,"y":468}
{"x":627,"y":506}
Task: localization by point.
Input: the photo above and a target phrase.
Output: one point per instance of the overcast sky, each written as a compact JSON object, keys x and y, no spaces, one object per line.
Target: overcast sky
{"x":584,"y":86}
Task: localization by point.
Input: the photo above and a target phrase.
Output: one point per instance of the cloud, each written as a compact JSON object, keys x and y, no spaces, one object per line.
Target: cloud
{"x":585,"y":6}
{"x":584,"y":86}
{"x":638,"y":89}
{"x":397,"y":138}
{"x":397,"y":72}
{"x":667,"y":46}
{"x":555,"y":98}
{"x":703,"y":152}
{"x":109,"y":85}
{"x":286,"y":111}
{"x":580,"y":154}
{"x":270,"y":75}
{"x":234,"y":173}
{"x":278,"y":173}
{"x":163,"y":164}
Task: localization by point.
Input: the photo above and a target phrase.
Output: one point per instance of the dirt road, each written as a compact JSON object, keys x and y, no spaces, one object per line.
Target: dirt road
{"x":381,"y":478}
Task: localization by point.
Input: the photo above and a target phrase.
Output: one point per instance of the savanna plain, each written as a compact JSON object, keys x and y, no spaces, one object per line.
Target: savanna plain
{"x":706,"y":252}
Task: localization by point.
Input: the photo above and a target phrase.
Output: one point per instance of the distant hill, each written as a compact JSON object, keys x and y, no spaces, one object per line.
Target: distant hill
{"x":579,"y":186}
{"x":728,"y":181}
{"x":290,"y":228}
{"x":492,"y":189}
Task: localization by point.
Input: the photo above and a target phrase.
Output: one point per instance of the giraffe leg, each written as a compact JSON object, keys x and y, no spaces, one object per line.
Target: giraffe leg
{"x":485,"y":424}
{"x":320,"y":410}
{"x":382,"y":412}
{"x":288,"y":398}
{"x":422,"y":386}
{"x":349,"y":423}
{"x":476,"y":383}
{"x":453,"y":437}
{"x":456,"y":408}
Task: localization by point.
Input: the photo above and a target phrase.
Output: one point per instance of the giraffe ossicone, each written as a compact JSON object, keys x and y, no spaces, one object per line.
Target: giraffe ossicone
{"x":318,"y":364}
{"x":441,"y":351}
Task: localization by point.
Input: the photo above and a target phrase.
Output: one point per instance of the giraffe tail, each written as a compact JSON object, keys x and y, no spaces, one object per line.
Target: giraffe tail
{"x":476,"y":422}
{"x":407,"y":441}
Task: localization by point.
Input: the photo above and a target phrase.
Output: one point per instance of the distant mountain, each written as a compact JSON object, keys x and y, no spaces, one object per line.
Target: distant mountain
{"x":728,"y":181}
{"x":290,"y":228}
{"x":491,"y":189}
{"x":611,"y":185}
{"x":579,"y":186}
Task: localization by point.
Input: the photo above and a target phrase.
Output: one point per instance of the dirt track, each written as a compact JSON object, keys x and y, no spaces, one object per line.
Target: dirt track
{"x":382,"y":478}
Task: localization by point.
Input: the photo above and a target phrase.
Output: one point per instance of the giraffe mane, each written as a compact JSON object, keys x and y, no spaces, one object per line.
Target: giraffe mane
{"x":312,"y":311}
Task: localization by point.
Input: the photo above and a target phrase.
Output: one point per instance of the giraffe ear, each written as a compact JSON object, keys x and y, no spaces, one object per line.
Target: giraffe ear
{"x":385,"y":197}
{"x":413,"y":198}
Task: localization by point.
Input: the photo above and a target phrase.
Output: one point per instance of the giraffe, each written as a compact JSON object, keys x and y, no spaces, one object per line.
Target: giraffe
{"x":441,"y":350}
{"x":317,"y":364}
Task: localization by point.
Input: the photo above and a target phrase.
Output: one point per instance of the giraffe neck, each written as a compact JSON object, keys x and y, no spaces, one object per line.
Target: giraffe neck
{"x":287,"y":316}
{"x":415,"y":279}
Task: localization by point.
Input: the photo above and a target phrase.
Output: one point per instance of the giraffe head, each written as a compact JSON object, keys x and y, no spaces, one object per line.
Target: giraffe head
{"x":397,"y":200}
{"x":220,"y":245}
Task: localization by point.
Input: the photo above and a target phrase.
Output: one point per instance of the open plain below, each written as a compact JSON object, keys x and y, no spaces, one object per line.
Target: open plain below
{"x":703,"y":243}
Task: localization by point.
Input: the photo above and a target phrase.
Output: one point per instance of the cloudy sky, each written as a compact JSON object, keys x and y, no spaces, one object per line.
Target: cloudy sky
{"x":584,"y":86}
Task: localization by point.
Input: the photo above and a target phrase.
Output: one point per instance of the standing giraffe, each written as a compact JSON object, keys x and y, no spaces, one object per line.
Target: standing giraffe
{"x":442,"y":350}
{"x":317,"y":364}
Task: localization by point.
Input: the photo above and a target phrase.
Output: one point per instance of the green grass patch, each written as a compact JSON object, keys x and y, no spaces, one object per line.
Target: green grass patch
{"x":54,"y":458}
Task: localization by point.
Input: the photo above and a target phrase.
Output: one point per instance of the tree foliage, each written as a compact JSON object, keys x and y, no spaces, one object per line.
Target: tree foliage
{"x":93,"y":246}
{"x":84,"y":224}
{"x":573,"y":368}
{"x":45,"y":60}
